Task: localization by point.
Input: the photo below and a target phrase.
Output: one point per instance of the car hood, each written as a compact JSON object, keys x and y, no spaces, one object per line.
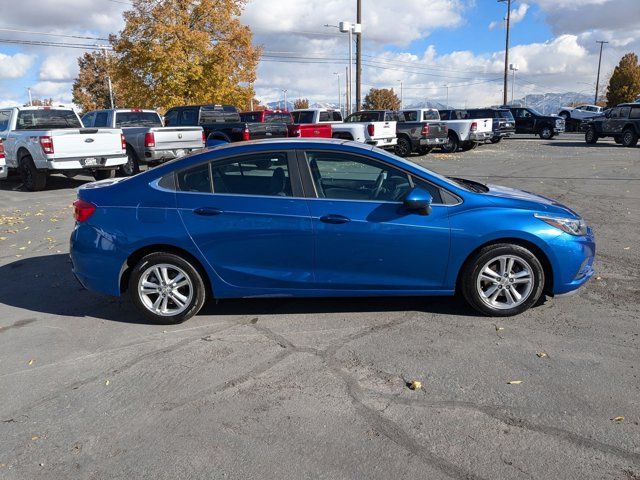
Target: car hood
{"x":512,"y":197}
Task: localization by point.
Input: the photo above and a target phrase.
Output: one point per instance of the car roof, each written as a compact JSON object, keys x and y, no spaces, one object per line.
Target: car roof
{"x":293,"y":143}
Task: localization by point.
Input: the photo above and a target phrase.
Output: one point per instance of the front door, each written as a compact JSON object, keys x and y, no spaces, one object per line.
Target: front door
{"x":247,"y":217}
{"x":365,"y":239}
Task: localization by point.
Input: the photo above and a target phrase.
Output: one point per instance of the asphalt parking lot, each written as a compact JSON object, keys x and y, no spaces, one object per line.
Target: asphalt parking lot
{"x":293,"y":389}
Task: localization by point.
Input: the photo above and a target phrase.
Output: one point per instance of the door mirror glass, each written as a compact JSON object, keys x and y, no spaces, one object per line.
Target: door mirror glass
{"x":418,"y":201}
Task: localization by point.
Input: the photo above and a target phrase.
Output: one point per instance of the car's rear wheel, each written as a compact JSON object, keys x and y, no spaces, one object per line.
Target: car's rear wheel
{"x":103,"y":174}
{"x":166,"y":288}
{"x":403,"y":147}
{"x":496,"y":139}
{"x":591,"y":136}
{"x":452,"y":144}
{"x":425,"y":150}
{"x":502,"y":280}
{"x":33,"y":179}
{"x":131,"y":167}
{"x":546,"y":133}
{"x":466,"y":146}
{"x":629,"y":138}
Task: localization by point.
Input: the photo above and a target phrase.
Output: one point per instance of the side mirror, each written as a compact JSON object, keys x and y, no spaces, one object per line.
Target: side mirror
{"x":418,"y":201}
{"x":607,"y":114}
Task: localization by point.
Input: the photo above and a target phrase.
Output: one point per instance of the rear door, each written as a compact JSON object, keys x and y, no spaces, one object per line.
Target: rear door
{"x":248,"y":217}
{"x":365,"y":240}
{"x":610,"y":123}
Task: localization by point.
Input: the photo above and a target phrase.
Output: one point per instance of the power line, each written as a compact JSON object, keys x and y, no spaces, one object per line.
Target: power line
{"x":15,"y":30}
{"x":53,"y":44}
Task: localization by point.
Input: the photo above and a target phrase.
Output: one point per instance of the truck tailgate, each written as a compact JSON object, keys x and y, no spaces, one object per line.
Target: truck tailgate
{"x":485,"y":125}
{"x":172,"y":138}
{"x":86,"y":142}
{"x":384,"y":130}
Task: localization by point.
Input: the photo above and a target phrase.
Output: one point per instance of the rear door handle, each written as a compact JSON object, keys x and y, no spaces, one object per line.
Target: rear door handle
{"x":334,"y":219}
{"x":207,"y":211}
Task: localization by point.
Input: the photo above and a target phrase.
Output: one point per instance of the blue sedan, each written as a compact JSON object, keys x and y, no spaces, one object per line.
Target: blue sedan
{"x":320,"y":218}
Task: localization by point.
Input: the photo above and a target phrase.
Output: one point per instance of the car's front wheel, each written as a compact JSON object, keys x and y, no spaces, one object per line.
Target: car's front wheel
{"x":546,"y":133}
{"x":167,"y":288}
{"x":452,"y":144}
{"x":591,"y":136}
{"x":629,"y":138}
{"x":502,"y":280}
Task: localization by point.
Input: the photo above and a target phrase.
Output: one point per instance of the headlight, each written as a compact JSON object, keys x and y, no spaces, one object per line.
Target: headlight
{"x":572,"y":226}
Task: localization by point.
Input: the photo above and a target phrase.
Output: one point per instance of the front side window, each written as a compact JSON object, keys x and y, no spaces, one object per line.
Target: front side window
{"x":324,"y":117}
{"x":624,"y":112}
{"x":171,"y":118}
{"x":615,"y":113}
{"x":410,"y":115}
{"x":189,"y":117}
{"x":635,"y":113}
{"x":138,"y":119}
{"x":88,"y":119}
{"x":304,"y":116}
{"x":337,"y":116}
{"x":430,"y":115}
{"x":352,"y":177}
{"x":260,"y":174}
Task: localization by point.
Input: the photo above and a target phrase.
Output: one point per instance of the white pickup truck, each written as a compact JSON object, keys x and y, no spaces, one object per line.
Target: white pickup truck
{"x":39,"y":141}
{"x":373,"y":127}
{"x":148,"y":141}
{"x":465,"y":133}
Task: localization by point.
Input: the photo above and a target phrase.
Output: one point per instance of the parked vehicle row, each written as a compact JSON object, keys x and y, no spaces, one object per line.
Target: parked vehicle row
{"x":148,"y":141}
{"x":39,"y":141}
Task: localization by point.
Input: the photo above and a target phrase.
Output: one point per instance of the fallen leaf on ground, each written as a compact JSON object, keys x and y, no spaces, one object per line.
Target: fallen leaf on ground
{"x":35,"y":437}
{"x":627,"y":248}
{"x":514,"y":382}
{"x":31,"y":362}
{"x":619,"y":419}
{"x":415,"y":385}
{"x":107,"y":382}
{"x":541,"y":354}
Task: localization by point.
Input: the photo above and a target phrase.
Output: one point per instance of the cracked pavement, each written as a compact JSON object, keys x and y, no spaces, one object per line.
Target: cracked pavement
{"x":317,"y":388}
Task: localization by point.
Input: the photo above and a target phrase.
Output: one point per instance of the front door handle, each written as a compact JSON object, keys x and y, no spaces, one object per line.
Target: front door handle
{"x":334,"y":219}
{"x":207,"y":211}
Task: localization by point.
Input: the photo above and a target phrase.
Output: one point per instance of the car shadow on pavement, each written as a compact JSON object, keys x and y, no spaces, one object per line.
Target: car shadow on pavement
{"x":46,"y":284}
{"x":54,"y":182}
{"x":584,"y":144}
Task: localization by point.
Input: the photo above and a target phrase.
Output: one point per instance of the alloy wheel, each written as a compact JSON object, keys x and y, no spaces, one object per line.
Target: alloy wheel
{"x":165,"y":290}
{"x":505,"y":282}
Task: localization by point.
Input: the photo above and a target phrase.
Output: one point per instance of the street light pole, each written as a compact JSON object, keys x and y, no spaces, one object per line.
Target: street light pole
{"x":109,"y":85}
{"x":30,"y":99}
{"x":447,"y":85}
{"x":595,"y":101}
{"x":359,"y":56}
{"x":339,"y":93}
{"x":514,"y":68}
{"x":401,"y":92}
{"x":506,"y":51}
{"x":284,"y":91}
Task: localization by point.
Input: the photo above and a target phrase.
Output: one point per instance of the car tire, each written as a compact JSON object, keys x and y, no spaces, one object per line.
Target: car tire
{"x":591,"y":136}
{"x":629,"y":138}
{"x":546,"y":132}
{"x":156,"y":299}
{"x":131,"y":167}
{"x":452,"y":144}
{"x":425,"y":150}
{"x":33,"y":179}
{"x":486,"y":288}
{"x":403,"y":147}
{"x":466,"y":146}
{"x":496,"y":140}
{"x":618,"y":139}
{"x":103,"y":174}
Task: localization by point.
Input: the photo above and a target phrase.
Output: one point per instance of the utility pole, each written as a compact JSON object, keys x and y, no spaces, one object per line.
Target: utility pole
{"x":359,"y":56}
{"x":447,"y":85}
{"x":514,"y":68}
{"x":601,"y":42}
{"x":346,"y":92}
{"x":506,"y":52}
{"x":109,"y":85}
{"x":284,"y":91}
{"x":401,"y":91}
{"x":339,"y":93}
{"x":30,"y":99}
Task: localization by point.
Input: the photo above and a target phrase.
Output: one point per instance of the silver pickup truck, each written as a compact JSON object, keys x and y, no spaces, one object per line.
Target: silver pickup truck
{"x":148,"y":141}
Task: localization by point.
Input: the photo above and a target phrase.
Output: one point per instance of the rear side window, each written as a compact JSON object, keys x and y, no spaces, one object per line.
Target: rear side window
{"x":325,"y":117}
{"x":171,"y":118}
{"x":337,"y":116}
{"x":304,"y":116}
{"x":102,"y":119}
{"x":189,"y":117}
{"x":88,"y":119}
{"x":46,"y":119}
{"x":624,"y":112}
{"x":430,"y":115}
{"x":5,"y":116}
{"x":264,"y":174}
{"x":138,"y":119}
{"x":635,"y":113}
{"x":410,"y":115}
{"x":195,"y":179}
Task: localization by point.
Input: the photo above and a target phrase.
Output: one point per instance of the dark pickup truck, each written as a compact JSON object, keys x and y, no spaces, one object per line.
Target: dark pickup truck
{"x":419,"y":131}
{"x":504,"y":125}
{"x":621,"y":122}
{"x":528,"y":120}
{"x":223,"y":122}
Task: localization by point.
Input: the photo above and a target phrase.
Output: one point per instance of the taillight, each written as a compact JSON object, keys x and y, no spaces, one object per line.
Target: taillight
{"x":474,"y":126}
{"x":204,"y":137}
{"x":123,"y":141}
{"x":1,"y":150}
{"x":425,"y":130}
{"x":371,"y":129}
{"x":46,"y":142}
{"x":82,"y":210}
{"x":149,"y":140}
{"x":246,"y":135}
{"x":296,"y":132}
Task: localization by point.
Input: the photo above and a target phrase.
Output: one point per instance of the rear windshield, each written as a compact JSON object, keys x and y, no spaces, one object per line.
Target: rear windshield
{"x":277,"y":118}
{"x":219,"y":114}
{"x":47,"y":119}
{"x":253,"y":117}
{"x":481,"y":113}
{"x":506,"y":114}
{"x":365,"y":117}
{"x":303,"y":116}
{"x":138,"y":119}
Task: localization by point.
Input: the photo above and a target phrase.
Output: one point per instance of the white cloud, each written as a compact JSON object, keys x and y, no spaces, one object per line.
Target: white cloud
{"x":517,"y":15}
{"x":60,"y":92}
{"x":59,"y":67}
{"x":15,"y":66}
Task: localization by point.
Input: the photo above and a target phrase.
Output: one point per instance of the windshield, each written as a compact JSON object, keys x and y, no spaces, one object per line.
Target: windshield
{"x":138,"y":119}
{"x":303,"y":116}
{"x":47,"y":119}
{"x":363,"y":117}
{"x":536,"y":112}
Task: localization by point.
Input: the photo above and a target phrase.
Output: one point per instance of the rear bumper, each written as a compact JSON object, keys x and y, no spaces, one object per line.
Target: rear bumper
{"x":4,"y":170}
{"x":169,"y":154}
{"x":89,"y":163}
{"x":480,"y":136}
{"x":384,"y":142}
{"x":425,"y":142}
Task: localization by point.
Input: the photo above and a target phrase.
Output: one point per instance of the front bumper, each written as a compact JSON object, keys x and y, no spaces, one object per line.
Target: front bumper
{"x":480,"y":136}
{"x":573,"y":266}
{"x":152,"y":156}
{"x":425,"y":142}
{"x":559,"y":128}
{"x":89,"y":163}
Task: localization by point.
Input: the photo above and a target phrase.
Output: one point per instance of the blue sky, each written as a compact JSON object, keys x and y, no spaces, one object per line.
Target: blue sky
{"x":426,"y":44}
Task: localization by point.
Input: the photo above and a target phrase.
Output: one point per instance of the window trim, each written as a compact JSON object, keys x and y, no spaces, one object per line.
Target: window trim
{"x":311,"y":192}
